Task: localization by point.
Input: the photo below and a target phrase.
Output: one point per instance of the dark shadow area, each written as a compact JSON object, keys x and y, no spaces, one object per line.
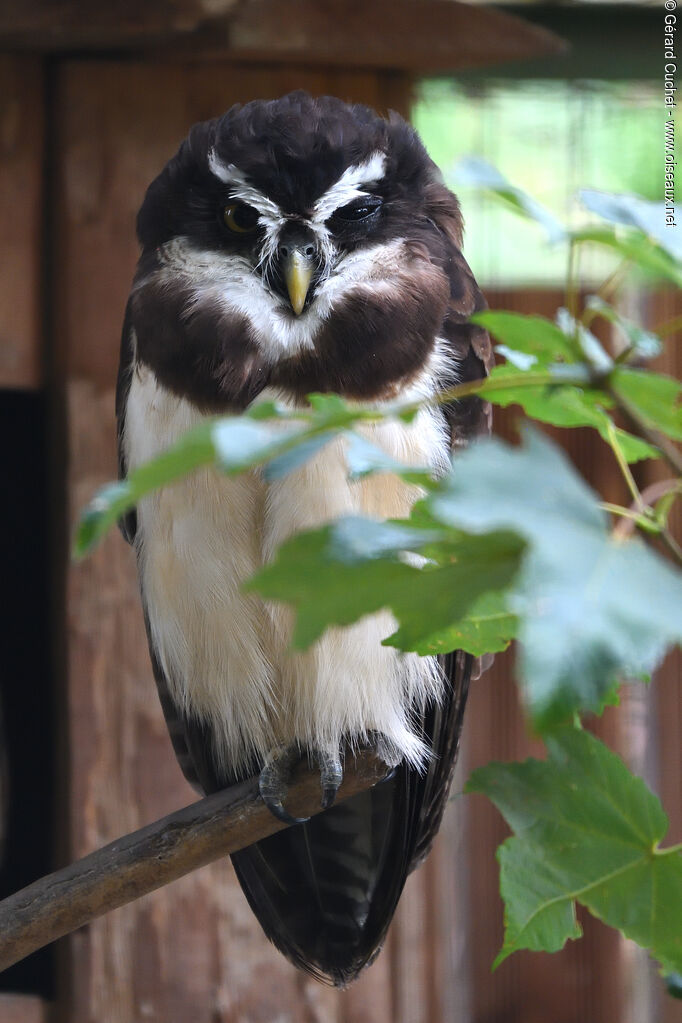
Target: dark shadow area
{"x":26,"y":691}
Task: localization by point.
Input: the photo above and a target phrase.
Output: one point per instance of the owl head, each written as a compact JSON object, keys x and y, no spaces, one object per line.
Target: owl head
{"x":303,"y":244}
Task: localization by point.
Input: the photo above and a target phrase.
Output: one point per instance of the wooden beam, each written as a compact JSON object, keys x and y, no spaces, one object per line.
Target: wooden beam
{"x":428,"y":36}
{"x":21,"y":202}
{"x":69,"y":24}
{"x":408,"y":35}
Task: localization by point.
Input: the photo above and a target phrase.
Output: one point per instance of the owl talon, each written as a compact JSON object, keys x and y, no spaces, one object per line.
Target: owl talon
{"x":275,"y":778}
{"x":331,"y":776}
{"x":273,"y":783}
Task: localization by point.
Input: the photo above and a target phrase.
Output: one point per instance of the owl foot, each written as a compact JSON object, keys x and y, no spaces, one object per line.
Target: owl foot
{"x":276,"y":775}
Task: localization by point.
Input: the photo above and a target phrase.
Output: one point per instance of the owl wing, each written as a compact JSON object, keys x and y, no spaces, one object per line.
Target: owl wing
{"x":467,"y":420}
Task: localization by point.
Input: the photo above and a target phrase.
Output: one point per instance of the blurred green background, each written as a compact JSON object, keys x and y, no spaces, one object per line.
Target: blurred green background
{"x":550,"y":137}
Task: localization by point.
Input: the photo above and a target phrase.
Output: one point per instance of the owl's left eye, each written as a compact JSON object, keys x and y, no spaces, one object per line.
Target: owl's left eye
{"x":240,"y":218}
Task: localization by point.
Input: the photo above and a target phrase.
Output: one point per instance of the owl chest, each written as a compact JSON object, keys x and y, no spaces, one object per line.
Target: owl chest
{"x":218,"y":516}
{"x":225,"y":653}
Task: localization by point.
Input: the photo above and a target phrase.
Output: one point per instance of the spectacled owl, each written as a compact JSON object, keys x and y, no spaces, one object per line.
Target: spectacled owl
{"x":295,"y":246}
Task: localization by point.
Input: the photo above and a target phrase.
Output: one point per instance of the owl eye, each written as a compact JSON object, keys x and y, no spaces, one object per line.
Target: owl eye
{"x":359,"y":209}
{"x":240,"y":218}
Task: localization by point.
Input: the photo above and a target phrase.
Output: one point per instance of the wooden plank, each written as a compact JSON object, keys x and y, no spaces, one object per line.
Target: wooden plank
{"x":429,"y":36}
{"x":23,"y":1009}
{"x":21,"y":215}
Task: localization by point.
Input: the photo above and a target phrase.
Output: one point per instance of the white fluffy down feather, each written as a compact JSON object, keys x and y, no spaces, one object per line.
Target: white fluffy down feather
{"x":225,"y":653}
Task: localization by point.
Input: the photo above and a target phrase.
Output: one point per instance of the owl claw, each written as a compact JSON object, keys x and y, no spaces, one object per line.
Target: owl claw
{"x":331,"y":776}
{"x":276,"y":774}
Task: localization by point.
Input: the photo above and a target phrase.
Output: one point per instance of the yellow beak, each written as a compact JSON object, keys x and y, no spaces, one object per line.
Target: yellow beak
{"x":298,"y":271}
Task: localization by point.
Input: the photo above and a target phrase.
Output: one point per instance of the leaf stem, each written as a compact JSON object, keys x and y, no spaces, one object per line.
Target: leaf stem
{"x":668,"y":326}
{"x":631,"y":517}
{"x":623,"y":465}
{"x":546,"y":378}
{"x":625,"y":513}
{"x":612,"y":282}
{"x":670,"y":850}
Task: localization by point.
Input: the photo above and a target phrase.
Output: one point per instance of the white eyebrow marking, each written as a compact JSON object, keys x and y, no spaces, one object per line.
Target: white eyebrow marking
{"x":242,"y":189}
{"x":271,"y":217}
{"x":349,"y":186}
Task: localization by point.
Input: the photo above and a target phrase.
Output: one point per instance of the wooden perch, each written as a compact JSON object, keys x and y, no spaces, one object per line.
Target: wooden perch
{"x":160,"y":853}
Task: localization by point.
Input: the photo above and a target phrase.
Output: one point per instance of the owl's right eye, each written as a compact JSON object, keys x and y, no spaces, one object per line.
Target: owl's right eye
{"x":240,"y":218}
{"x":362,"y":208}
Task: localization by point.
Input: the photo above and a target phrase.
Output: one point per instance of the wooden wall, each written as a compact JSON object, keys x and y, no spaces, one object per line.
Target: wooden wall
{"x":193,"y":953}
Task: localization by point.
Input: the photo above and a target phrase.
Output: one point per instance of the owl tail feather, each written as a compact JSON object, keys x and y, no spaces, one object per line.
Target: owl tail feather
{"x":326,"y":890}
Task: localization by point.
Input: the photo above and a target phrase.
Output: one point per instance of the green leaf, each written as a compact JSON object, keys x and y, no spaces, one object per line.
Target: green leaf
{"x":636,"y":247}
{"x":643,"y":344}
{"x":240,"y":443}
{"x":324,"y":590}
{"x":356,"y":539}
{"x":445,"y":594}
{"x":592,"y":350}
{"x":353,"y":567}
{"x":633,"y":211}
{"x":266,"y":410}
{"x":113,"y":500}
{"x":654,"y":396}
{"x":518,"y":359}
{"x":579,"y":592}
{"x":293,"y":459}
{"x":473,"y":170}
{"x":565,"y":406}
{"x":233,"y":444}
{"x":330,"y":408}
{"x":365,"y":458}
{"x":585,"y":830}
{"x":532,"y":335}
{"x":488,"y":627}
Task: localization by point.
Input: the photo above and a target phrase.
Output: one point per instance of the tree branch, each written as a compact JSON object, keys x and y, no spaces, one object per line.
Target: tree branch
{"x":155,"y":855}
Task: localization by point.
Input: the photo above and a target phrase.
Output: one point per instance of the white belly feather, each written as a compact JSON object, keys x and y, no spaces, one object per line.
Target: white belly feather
{"x":225,"y":654}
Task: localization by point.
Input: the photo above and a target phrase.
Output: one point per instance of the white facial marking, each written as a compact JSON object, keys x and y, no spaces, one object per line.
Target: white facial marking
{"x":349,"y":186}
{"x":231,"y":281}
{"x":244,"y":191}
